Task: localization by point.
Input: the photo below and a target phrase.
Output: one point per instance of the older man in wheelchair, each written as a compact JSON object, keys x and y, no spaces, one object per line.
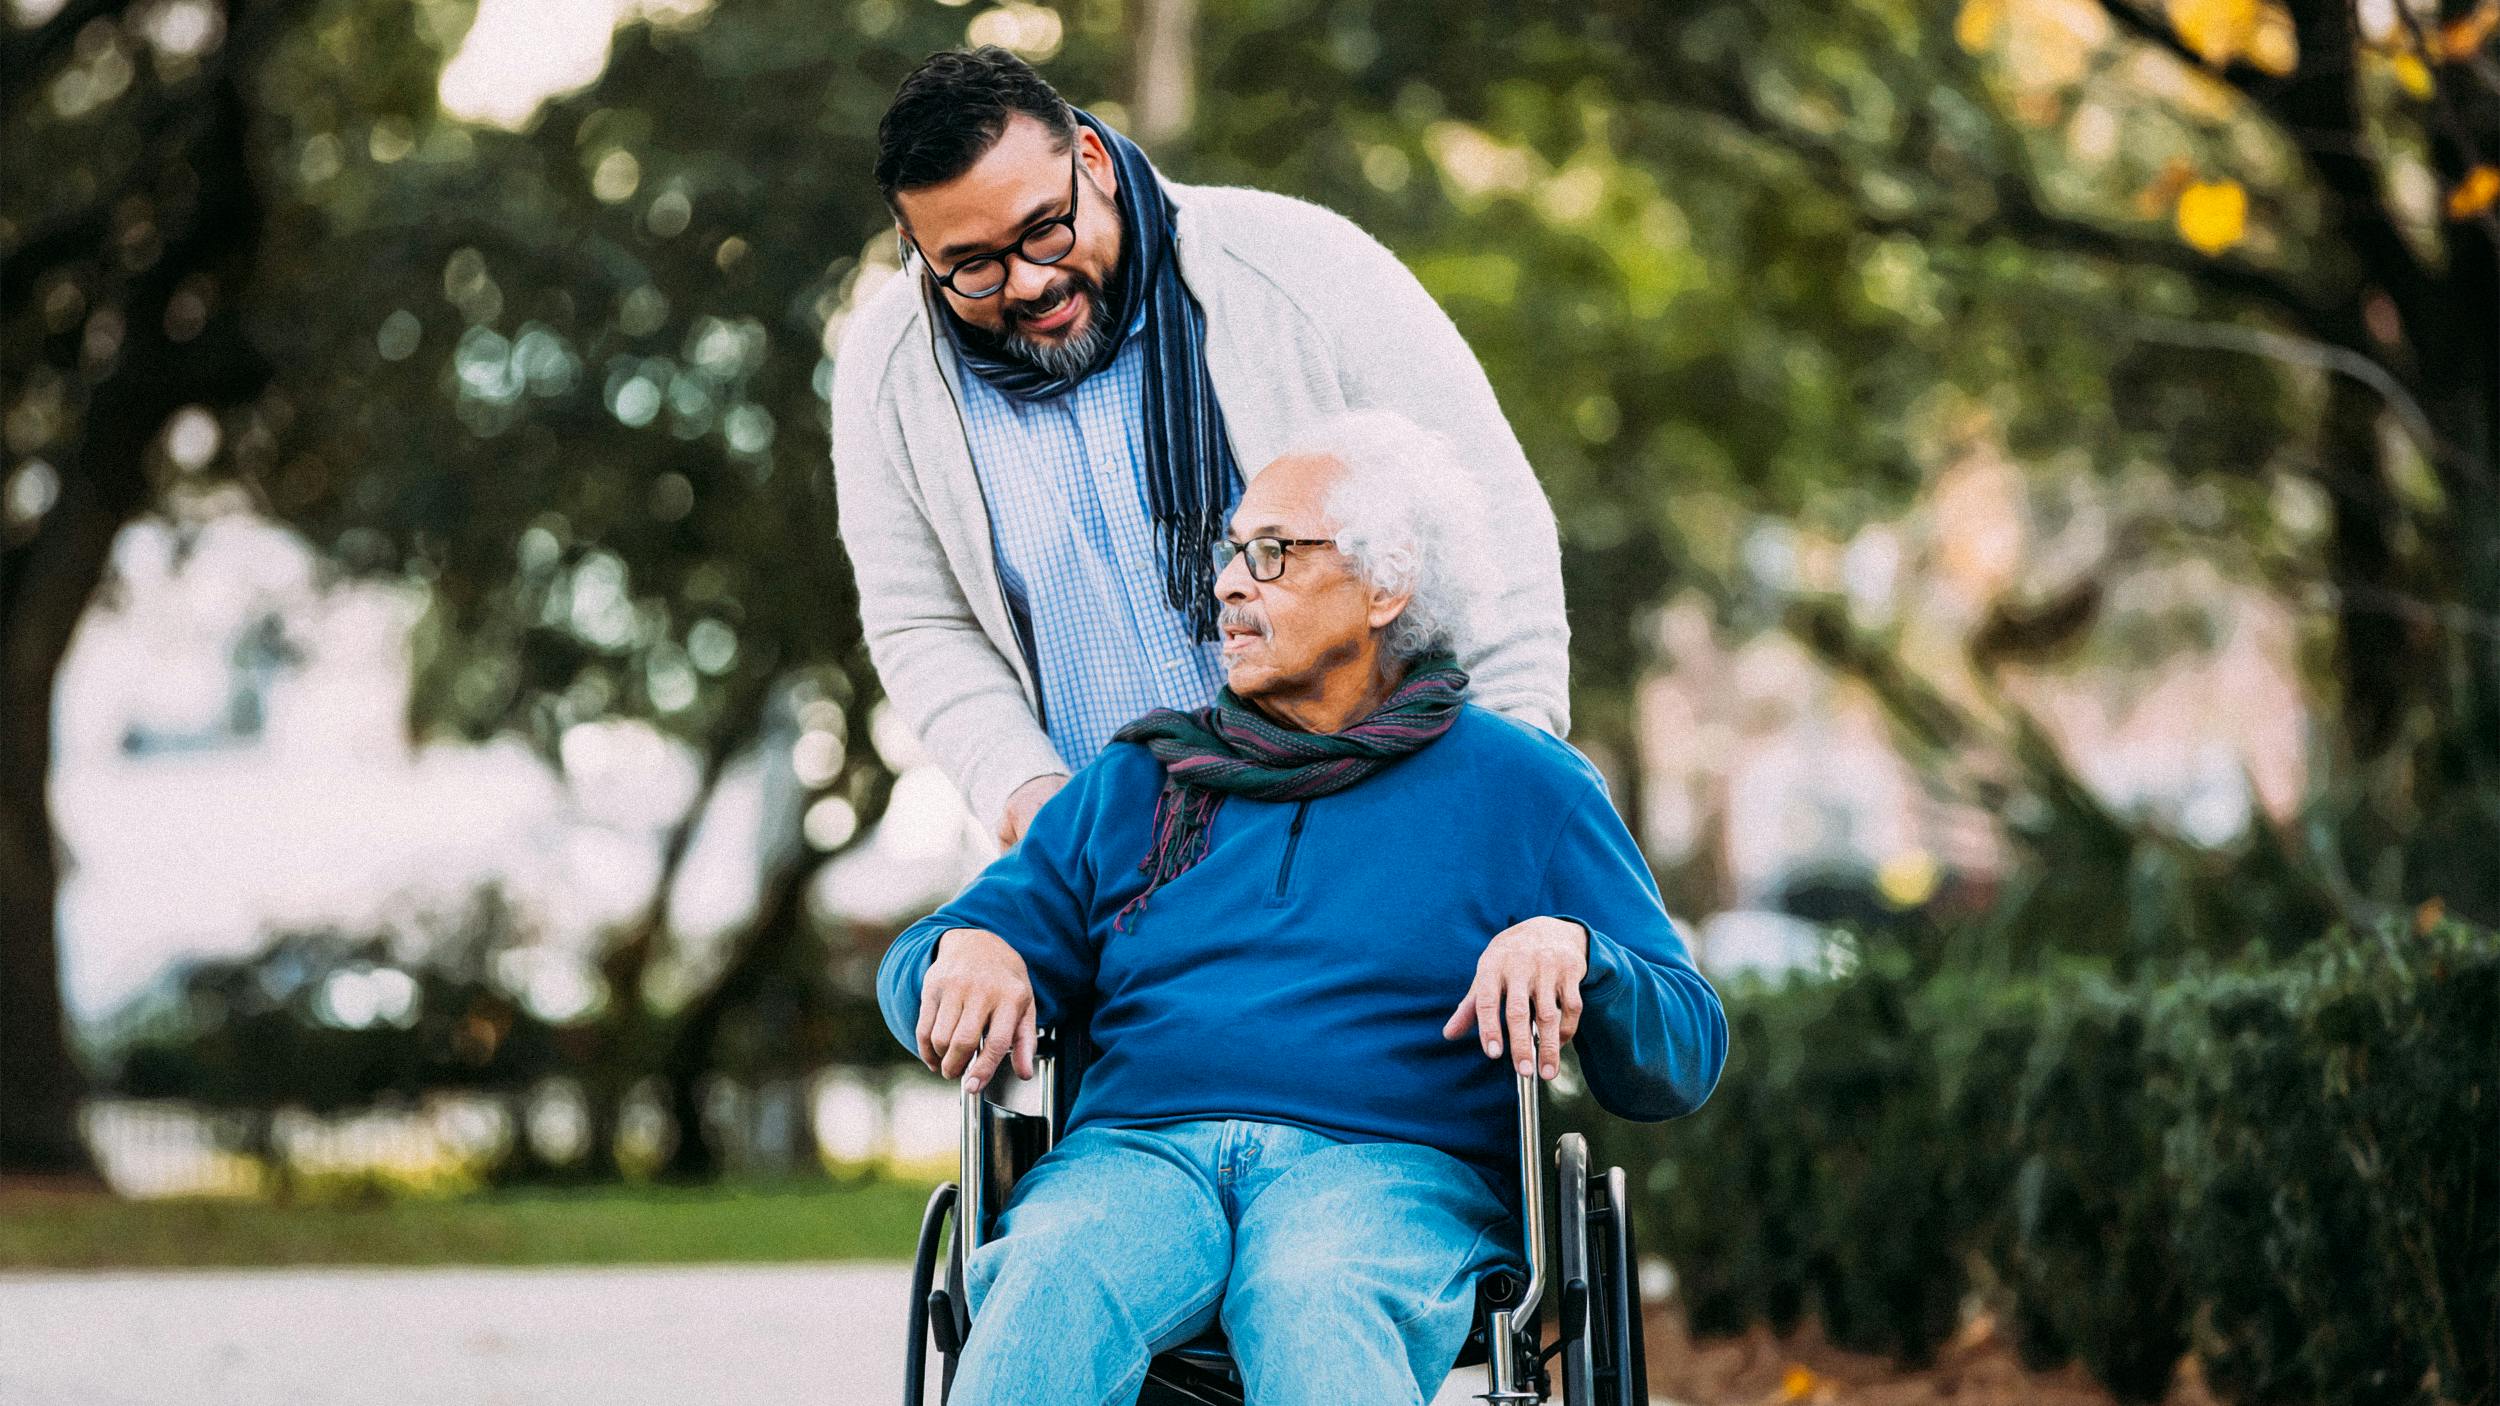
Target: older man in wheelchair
{"x":1326,"y":937}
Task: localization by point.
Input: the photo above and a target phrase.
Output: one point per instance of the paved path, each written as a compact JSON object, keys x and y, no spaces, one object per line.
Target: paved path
{"x":704,"y":1336}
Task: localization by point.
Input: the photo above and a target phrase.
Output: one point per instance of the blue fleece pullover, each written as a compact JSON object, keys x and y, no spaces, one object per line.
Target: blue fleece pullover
{"x":1301,"y":972}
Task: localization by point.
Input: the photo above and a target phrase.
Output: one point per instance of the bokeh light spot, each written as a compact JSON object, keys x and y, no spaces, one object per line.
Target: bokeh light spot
{"x":635,"y":402}
{"x":32,"y":491}
{"x":617,"y":177}
{"x":400,"y":332}
{"x":672,"y":497}
{"x":1030,"y":31}
{"x":831,"y":822}
{"x":191,"y":438}
{"x":670,"y":213}
{"x":749,"y":429}
{"x":712,"y":646}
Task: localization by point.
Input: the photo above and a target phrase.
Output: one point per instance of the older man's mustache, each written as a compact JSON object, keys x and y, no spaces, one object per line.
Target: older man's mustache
{"x":1235,"y":617}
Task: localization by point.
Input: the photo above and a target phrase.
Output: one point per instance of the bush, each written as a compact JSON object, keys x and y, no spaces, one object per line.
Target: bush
{"x":1819,"y":1192}
{"x":2334,"y":1150}
{"x":2290,"y":1167}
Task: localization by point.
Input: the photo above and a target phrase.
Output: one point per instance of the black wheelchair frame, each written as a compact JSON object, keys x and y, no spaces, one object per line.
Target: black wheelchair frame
{"x":1599,"y":1333}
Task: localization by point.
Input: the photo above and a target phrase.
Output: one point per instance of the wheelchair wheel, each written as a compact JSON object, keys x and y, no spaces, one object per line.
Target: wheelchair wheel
{"x":1571,"y":1205}
{"x":1626,"y":1359}
{"x":929,"y":1300}
{"x":1604,"y":1359}
{"x":1623,"y":1362}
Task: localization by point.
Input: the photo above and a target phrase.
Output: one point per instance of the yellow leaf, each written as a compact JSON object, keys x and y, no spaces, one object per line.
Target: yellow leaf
{"x":2275,"y":46}
{"x":2213,"y":215}
{"x":2459,"y":39}
{"x":1977,"y":26}
{"x":1796,"y":1384}
{"x":2412,"y":75}
{"x":2475,"y":193}
{"x":2218,"y":30}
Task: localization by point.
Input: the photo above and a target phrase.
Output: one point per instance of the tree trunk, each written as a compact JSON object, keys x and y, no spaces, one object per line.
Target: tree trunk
{"x":2380,"y":669}
{"x":779,"y":921}
{"x":49,"y":575}
{"x":1165,"y":101}
{"x":44,"y":588}
{"x":2461,"y":365}
{"x":619,"y":1051}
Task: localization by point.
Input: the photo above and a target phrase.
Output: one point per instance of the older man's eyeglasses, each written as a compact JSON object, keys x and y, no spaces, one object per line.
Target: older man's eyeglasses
{"x":982,"y":275}
{"x":1266,"y":555}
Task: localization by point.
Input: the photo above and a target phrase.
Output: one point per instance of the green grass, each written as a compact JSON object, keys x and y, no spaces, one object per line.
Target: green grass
{"x":815,"y":1220}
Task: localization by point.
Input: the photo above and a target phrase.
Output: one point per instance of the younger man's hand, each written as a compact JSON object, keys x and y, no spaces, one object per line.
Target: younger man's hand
{"x":1023,"y":804}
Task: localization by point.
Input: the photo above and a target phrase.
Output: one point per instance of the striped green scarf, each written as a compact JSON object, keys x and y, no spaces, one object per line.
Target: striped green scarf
{"x":1232,"y":749}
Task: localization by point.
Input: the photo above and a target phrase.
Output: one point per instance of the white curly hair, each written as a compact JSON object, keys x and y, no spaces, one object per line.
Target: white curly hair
{"x":1408,"y":518}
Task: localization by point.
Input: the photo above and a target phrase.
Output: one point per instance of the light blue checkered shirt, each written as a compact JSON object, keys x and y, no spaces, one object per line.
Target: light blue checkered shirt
{"x":1065,"y":480}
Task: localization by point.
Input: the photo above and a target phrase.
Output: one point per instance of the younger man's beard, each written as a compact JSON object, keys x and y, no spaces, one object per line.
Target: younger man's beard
{"x":1068,"y":357}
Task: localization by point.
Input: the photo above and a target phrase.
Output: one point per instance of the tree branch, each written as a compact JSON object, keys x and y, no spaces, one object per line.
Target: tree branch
{"x":2020,"y":214}
{"x":2258,"y":86}
{"x":2303,"y":351}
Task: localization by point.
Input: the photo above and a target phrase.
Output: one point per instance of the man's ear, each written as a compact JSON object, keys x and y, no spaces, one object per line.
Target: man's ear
{"x":1386,"y":607}
{"x":1104,"y":171}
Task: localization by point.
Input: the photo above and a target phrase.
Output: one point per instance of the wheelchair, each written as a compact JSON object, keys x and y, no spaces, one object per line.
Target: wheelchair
{"x":1598,"y":1311}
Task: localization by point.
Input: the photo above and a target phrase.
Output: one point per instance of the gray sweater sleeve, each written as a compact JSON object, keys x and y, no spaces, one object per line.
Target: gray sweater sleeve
{"x":960,"y":697}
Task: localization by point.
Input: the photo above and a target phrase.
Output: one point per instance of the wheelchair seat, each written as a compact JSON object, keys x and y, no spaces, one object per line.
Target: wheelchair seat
{"x":1209,"y":1352}
{"x":1598,"y":1318}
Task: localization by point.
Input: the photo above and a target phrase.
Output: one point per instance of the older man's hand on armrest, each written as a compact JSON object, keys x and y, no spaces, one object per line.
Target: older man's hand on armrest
{"x":976,"y":1008}
{"x":1530,"y":968}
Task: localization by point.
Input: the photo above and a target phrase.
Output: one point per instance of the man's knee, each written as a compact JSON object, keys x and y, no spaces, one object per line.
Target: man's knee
{"x":1343,"y":1294}
{"x":1041,"y":1259}
{"x":1319,"y":1333}
{"x":1052,"y":1321}
{"x":1066,"y":1271}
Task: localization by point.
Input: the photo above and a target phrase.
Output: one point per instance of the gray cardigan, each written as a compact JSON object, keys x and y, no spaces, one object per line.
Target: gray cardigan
{"x":1306,"y":316}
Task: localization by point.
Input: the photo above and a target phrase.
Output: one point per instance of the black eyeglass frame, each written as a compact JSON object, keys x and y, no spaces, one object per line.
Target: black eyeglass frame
{"x":1222,"y":553}
{"x":1004,"y":252}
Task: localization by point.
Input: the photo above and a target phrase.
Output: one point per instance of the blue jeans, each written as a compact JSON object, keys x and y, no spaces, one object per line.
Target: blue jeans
{"x":1340,"y":1271}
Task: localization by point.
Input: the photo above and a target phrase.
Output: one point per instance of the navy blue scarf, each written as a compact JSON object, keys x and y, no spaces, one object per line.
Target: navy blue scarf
{"x":1190,"y":472}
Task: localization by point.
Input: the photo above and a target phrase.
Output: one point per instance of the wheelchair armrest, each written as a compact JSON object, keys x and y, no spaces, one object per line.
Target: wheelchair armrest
{"x":997,"y":1146}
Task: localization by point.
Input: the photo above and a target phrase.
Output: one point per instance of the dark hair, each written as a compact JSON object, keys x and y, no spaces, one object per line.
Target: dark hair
{"x":953,"y":109}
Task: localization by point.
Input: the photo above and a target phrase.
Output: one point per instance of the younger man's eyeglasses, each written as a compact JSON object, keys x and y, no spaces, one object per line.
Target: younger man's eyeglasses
{"x":981,"y":275}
